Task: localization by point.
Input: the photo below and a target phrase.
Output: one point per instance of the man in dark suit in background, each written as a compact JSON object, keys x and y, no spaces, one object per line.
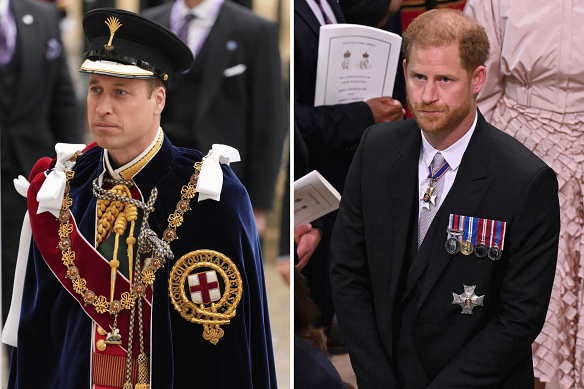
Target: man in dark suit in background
{"x":416,"y":312}
{"x":331,"y":133}
{"x":38,"y":108}
{"x":234,"y":94}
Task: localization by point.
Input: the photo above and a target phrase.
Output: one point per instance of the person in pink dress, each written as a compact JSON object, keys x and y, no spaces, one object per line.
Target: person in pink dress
{"x":535,"y":92}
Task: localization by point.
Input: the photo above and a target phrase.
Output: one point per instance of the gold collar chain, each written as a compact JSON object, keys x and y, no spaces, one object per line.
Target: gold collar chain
{"x":147,"y":274}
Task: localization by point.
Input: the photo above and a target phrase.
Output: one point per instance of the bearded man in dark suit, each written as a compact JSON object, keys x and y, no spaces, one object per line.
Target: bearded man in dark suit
{"x":234,"y":94}
{"x":416,"y":312}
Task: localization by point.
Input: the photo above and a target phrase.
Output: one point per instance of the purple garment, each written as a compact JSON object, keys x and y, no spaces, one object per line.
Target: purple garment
{"x":7,"y":37}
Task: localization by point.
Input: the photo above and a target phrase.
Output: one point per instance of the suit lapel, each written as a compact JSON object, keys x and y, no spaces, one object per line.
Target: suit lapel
{"x":212,"y":60}
{"x":402,"y":195}
{"x":464,"y":198}
{"x":303,"y":10}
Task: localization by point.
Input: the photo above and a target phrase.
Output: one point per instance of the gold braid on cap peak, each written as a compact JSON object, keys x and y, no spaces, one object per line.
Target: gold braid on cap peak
{"x":114,"y":24}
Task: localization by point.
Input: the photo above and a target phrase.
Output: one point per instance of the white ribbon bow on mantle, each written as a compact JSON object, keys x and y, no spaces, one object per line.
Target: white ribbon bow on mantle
{"x":210,"y":179}
{"x":50,"y":196}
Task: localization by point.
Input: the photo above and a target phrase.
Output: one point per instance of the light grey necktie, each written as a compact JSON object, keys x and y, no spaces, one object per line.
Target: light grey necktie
{"x":427,"y":213}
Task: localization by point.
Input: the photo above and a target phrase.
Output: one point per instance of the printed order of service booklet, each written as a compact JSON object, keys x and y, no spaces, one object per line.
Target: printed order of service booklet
{"x":314,"y":197}
{"x":355,"y":63}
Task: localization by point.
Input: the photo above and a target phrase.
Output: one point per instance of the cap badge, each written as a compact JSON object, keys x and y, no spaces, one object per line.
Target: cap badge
{"x":113,"y":23}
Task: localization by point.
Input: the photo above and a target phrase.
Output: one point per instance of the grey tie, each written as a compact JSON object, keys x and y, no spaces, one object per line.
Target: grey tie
{"x":427,"y":215}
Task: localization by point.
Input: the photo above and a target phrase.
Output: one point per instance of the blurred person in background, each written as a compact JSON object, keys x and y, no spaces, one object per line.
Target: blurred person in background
{"x":234,"y":94}
{"x":38,"y":108}
{"x":331,"y":133}
{"x":535,"y":92}
{"x":312,"y":368}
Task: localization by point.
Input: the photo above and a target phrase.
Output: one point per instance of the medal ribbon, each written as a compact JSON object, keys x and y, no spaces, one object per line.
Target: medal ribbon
{"x":454,"y":223}
{"x":468,"y":226}
{"x":503,"y":228}
{"x":475,"y":230}
{"x":450,"y":225}
{"x":499,"y":228}
{"x":492,"y":232}
{"x":439,"y":173}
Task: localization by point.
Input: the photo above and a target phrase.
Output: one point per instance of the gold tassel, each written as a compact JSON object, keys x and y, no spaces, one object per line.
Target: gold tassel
{"x":119,"y":228}
{"x":131,"y":215}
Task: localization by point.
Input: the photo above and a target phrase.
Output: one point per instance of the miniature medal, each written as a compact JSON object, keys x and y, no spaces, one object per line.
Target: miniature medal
{"x":466,"y":247}
{"x":468,"y":300}
{"x":481,"y":250}
{"x":495,"y":253}
{"x":454,"y":232}
{"x":452,"y":246}
{"x":427,"y":196}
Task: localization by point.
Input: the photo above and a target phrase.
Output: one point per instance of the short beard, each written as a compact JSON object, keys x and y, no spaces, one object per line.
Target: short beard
{"x":444,"y":124}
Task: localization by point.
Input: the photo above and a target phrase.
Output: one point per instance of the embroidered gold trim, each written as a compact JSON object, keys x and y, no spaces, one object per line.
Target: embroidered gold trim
{"x":213,"y":314}
{"x":128,"y":173}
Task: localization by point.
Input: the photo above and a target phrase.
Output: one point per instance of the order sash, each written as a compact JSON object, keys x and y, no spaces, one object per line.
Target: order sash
{"x":91,"y":264}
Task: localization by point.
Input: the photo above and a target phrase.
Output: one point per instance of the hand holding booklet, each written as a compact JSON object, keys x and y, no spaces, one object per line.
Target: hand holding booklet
{"x":355,"y":63}
{"x":314,"y":197}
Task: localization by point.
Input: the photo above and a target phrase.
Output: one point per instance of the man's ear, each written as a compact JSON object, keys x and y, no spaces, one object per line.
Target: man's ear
{"x":159,"y":96}
{"x":479,"y":77}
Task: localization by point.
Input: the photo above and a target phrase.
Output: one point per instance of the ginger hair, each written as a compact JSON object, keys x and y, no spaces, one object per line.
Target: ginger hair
{"x":444,"y":26}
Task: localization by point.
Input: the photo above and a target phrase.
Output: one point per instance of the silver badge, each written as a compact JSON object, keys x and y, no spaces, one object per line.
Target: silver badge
{"x":468,"y":300}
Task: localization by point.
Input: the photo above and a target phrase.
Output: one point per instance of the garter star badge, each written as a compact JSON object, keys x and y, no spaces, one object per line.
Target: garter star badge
{"x":195,"y":285}
{"x":468,"y":300}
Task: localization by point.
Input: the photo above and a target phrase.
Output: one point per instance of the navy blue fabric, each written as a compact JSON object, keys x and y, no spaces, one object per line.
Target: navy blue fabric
{"x":55,"y":333}
{"x":312,"y":369}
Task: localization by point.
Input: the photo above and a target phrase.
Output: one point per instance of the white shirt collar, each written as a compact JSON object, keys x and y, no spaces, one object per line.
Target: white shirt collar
{"x":205,"y":10}
{"x":453,"y":154}
{"x":115,"y":173}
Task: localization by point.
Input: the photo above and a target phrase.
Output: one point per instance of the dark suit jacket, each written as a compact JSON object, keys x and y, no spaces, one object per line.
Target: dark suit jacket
{"x":43,"y":110}
{"x":331,"y":133}
{"x":246,"y":111}
{"x":368,"y":12}
{"x":498,"y":179}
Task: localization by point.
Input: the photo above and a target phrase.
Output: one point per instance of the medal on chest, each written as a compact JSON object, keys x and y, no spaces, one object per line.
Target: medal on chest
{"x":427,"y":196}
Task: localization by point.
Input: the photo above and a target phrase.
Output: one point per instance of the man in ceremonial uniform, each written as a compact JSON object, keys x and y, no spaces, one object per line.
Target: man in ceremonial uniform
{"x":145,"y":266}
{"x":446,"y":241}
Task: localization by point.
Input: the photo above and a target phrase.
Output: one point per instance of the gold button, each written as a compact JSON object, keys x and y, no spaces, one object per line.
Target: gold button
{"x":101,"y":331}
{"x":101,"y":345}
